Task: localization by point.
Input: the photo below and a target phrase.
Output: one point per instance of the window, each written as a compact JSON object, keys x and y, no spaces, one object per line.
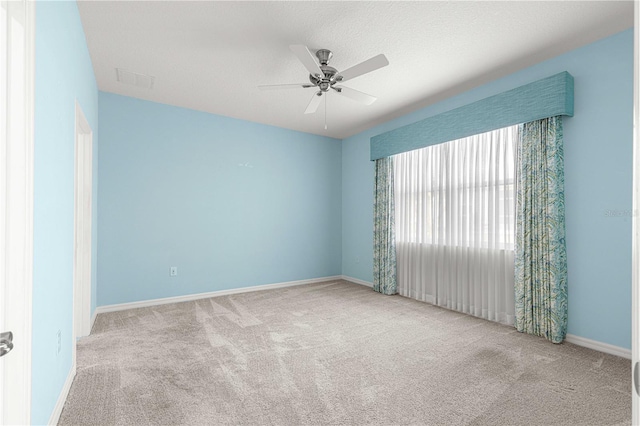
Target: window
{"x":460,"y":193}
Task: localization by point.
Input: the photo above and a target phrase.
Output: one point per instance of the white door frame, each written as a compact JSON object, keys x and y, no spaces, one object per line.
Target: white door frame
{"x":82,"y":226}
{"x":16,"y":215}
{"x":635,"y":257}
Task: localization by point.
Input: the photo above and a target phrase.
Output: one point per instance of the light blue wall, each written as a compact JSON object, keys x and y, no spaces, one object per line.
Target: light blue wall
{"x":229,"y":202}
{"x":598,"y":172}
{"x":63,"y":74}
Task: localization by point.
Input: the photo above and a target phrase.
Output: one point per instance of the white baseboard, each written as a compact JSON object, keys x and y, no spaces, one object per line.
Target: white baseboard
{"x":598,"y":346}
{"x":190,"y":297}
{"x":356,"y":281}
{"x":62,"y":398}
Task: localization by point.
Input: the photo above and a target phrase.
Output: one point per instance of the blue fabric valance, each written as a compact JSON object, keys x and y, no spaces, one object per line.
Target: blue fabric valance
{"x":549,"y":97}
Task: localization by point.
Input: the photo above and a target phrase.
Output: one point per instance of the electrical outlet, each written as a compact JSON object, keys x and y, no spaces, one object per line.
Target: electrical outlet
{"x":173,"y":271}
{"x":59,"y":342}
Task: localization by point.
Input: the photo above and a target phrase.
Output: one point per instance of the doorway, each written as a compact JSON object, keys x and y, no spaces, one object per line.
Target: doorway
{"x":82,"y":226}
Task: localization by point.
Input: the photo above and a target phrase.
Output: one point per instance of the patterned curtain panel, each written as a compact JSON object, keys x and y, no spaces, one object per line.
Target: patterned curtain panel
{"x":384,"y":241}
{"x":540,"y":250}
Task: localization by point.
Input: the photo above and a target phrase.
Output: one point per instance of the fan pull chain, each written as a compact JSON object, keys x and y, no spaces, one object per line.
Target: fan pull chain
{"x":326,"y":98}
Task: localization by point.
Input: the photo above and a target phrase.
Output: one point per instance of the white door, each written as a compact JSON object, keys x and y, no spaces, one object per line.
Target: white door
{"x":635,"y":303}
{"x":16,"y":206}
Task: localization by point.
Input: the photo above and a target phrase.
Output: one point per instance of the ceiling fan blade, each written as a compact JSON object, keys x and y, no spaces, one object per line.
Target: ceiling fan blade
{"x":369,"y":65}
{"x":355,"y":95}
{"x":285,"y":86}
{"x":307,"y":59}
{"x":315,"y":102}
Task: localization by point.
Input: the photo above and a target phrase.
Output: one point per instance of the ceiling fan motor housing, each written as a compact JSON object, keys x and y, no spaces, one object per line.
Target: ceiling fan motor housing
{"x":327,"y":80}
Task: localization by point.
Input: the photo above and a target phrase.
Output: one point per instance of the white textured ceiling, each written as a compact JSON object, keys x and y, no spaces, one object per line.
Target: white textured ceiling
{"x":211,"y":56}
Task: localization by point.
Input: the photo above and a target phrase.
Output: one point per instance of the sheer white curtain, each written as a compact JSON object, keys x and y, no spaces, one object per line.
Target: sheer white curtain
{"x":455,"y":223}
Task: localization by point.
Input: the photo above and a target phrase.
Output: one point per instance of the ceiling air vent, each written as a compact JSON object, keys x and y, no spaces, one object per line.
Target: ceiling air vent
{"x":134,"y":79}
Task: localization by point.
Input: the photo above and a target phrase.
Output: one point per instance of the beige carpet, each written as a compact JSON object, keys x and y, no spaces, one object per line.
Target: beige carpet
{"x":334,"y":353}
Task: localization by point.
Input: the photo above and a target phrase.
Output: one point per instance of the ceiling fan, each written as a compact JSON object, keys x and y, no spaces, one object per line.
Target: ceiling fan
{"x":324,"y":77}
